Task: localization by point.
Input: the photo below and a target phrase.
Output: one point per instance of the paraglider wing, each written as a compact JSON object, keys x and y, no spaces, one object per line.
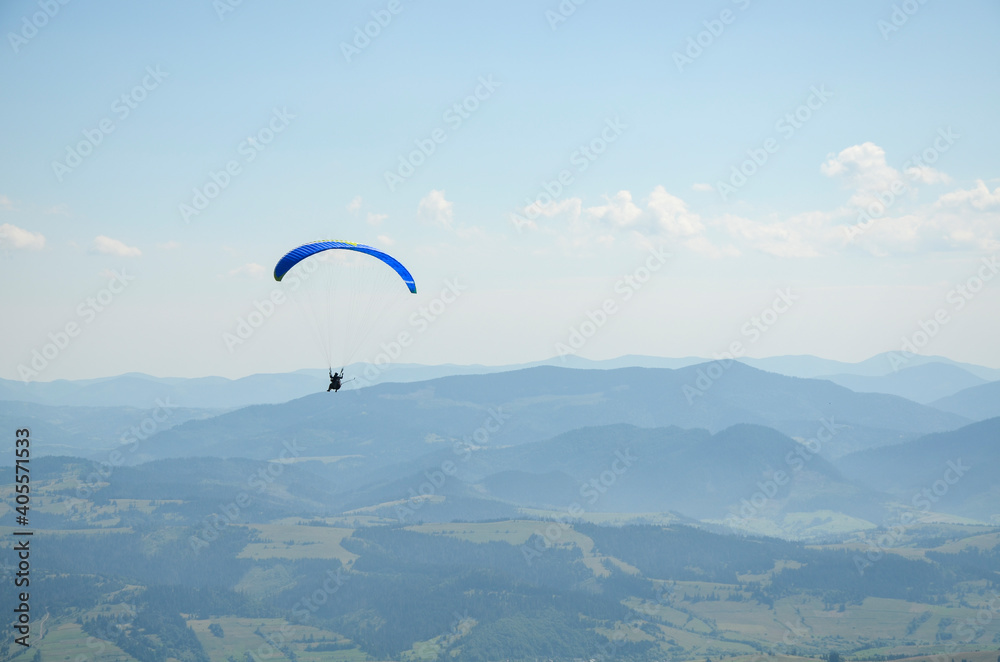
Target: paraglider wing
{"x":342,"y":299}
{"x":296,"y":255}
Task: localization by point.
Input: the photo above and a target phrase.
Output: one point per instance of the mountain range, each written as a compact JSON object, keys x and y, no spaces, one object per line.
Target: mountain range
{"x":923,"y":379}
{"x":717,"y":443}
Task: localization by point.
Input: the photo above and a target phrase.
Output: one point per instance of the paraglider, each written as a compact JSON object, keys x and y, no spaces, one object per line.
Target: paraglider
{"x":342,"y":288}
{"x":335,"y":380}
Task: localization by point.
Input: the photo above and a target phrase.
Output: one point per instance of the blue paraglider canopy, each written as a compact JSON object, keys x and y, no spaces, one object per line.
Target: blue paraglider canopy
{"x":342,"y":295}
{"x":296,"y":255}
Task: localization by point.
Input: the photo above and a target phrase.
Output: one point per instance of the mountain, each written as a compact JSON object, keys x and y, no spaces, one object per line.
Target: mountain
{"x":388,"y":424}
{"x":951,"y":472}
{"x":923,"y":383}
{"x":188,"y":560}
{"x":140,"y":390}
{"x":90,"y":431}
{"x":742,"y":474}
{"x":976,"y":403}
{"x":879,"y":365}
{"x":414,"y":373}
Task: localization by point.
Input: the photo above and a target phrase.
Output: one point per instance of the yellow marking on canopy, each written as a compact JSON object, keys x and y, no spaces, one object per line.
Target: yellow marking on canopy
{"x":334,"y":241}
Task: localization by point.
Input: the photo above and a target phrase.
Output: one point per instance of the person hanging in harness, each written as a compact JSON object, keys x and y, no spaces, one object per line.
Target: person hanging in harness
{"x":335,"y":380}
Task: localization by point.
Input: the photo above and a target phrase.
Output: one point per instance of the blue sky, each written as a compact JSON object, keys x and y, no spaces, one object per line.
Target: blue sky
{"x":669,"y":134}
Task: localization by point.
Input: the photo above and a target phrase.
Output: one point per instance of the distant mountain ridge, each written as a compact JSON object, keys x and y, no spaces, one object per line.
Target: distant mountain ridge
{"x":976,"y":402}
{"x":742,"y":450}
{"x":623,"y":468}
{"x":92,"y":432}
{"x":138,"y":390}
{"x":394,"y":423}
{"x":954,"y":471}
{"x":923,"y":383}
{"x":142,"y":391}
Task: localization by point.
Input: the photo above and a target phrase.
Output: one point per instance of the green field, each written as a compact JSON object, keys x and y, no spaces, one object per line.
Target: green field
{"x":289,"y":540}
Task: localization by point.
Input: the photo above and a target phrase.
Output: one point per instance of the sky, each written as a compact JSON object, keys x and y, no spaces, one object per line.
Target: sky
{"x":587,"y":177}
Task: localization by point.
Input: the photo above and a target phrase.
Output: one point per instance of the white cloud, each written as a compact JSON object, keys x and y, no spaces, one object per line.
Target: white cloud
{"x":703,"y":246}
{"x":109,"y":246}
{"x":526,"y":217}
{"x":979,"y":197}
{"x":864,"y":161}
{"x":931,"y":228}
{"x":249,"y":270}
{"x":702,"y":187}
{"x":12,"y":236}
{"x":170,"y":245}
{"x":385,"y":240}
{"x":354,"y":204}
{"x":893,"y":219}
{"x":375,"y":220}
{"x":663,"y":214}
{"x":927,"y":175}
{"x":62,"y":209}
{"x":965,"y":219}
{"x":620,"y":211}
{"x":789,"y":238}
{"x":572,"y":207}
{"x":862,"y":168}
{"x":565,"y":221}
{"x":5,"y":203}
{"x":434,"y":209}
{"x":672,"y":215}
{"x":904,"y":233}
